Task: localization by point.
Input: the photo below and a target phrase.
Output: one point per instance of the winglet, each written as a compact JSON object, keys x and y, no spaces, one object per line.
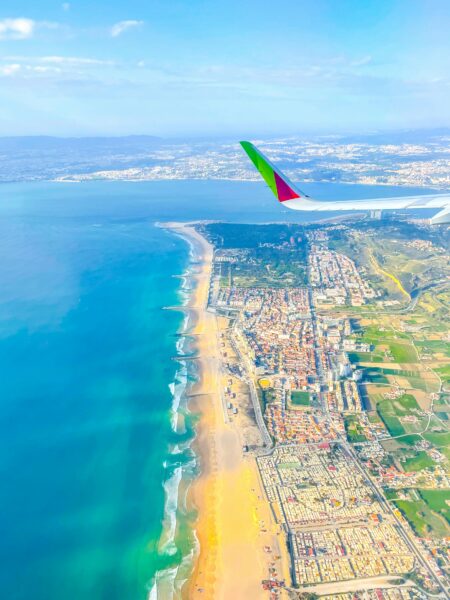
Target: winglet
{"x":442,"y":217}
{"x":280,"y":185}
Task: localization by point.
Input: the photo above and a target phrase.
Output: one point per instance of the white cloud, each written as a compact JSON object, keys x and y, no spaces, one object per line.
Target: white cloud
{"x":16,"y":29}
{"x":24,"y":70}
{"x":122,"y":26}
{"x":58,"y":68}
{"x":73,"y":60}
{"x":8,"y":70}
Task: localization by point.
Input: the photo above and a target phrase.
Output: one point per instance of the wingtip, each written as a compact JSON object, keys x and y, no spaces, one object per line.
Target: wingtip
{"x":442,"y":217}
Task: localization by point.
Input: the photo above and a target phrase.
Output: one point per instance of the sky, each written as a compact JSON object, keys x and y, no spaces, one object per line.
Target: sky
{"x":241,"y":68}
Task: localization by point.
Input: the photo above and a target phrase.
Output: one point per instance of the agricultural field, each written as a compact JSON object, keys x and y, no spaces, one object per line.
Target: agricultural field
{"x":407,"y":372}
{"x":365,"y":357}
{"x":416,"y":377}
{"x":418,"y":462}
{"x":403,"y":352}
{"x":390,"y":420}
{"x":408,"y":440}
{"x":444,"y":374}
{"x":390,"y":412}
{"x":433,"y":347}
{"x":439,"y":440}
{"x":425,"y":521}
{"x":438,"y":501}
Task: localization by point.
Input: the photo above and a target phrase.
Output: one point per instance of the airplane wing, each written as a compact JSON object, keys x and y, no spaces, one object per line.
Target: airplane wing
{"x":292,"y":197}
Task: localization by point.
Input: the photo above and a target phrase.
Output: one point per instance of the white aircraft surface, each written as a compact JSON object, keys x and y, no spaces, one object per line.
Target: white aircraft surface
{"x":291,"y":197}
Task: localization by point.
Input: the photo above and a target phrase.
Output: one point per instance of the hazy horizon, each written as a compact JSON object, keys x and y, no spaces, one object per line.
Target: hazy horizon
{"x":369,"y":133}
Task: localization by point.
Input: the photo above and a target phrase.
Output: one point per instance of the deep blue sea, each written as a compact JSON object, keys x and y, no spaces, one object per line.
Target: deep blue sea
{"x":89,"y":460}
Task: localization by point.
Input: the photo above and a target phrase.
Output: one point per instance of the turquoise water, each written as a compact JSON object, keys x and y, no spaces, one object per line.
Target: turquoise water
{"x":85,"y":430}
{"x":88,"y":451}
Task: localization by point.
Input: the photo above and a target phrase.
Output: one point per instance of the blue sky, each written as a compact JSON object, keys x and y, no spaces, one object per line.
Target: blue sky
{"x":223,"y":67}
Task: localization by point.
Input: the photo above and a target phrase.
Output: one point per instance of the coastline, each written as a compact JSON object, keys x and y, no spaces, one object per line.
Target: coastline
{"x":175,"y":545}
{"x":233,"y":525}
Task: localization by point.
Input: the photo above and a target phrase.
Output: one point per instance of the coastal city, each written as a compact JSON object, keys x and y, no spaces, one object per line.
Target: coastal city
{"x":225,"y":300}
{"x":417,"y":159}
{"x":368,"y":162}
{"x":345,"y":359}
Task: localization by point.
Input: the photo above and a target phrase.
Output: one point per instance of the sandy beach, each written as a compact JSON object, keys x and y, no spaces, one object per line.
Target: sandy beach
{"x":237,"y":535}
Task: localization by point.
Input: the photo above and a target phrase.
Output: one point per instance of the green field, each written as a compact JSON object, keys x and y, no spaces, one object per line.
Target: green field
{"x":403,"y":353}
{"x":444,"y":373}
{"x":375,"y":375}
{"x":423,"y":520}
{"x":357,"y":357}
{"x":354,"y":430}
{"x":409,"y":440}
{"x":438,"y":439}
{"x":418,"y":462}
{"x":398,"y":372}
{"x":373,"y":335}
{"x":300,"y":398}
{"x":427,"y":385}
{"x":438,"y":501}
{"x":416,"y":380}
{"x":433,"y":346}
{"x":390,"y":410}
{"x":393,"y":425}
{"x":404,"y":405}
{"x":411,"y":511}
{"x":387,"y":413}
{"x":391,"y":494}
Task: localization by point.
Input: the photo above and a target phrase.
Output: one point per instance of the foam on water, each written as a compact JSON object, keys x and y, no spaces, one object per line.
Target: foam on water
{"x":171,"y":487}
{"x":167,"y":583}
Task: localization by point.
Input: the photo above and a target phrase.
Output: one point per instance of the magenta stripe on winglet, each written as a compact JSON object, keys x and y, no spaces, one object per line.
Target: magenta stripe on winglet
{"x":284,"y":191}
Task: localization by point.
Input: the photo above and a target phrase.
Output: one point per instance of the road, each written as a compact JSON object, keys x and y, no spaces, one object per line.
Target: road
{"x":248,"y":369}
{"x":249,"y":380}
{"x":407,"y":537}
{"x":317,"y":350}
{"x":410,"y":542}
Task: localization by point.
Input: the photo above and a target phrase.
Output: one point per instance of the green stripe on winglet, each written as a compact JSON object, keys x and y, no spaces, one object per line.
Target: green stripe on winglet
{"x":262,"y":166}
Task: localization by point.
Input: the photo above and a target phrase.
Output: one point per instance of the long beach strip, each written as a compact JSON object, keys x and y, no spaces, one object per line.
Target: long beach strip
{"x":234,"y":523}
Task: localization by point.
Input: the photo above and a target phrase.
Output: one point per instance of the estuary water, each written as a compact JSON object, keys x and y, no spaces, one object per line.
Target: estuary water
{"x":92,"y":451}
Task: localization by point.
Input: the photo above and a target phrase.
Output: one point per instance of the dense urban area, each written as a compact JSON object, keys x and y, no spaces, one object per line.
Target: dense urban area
{"x":408,"y":158}
{"x":338,"y":337}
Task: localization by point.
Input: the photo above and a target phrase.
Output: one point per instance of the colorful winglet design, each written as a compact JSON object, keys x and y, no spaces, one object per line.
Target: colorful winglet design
{"x":278,"y":183}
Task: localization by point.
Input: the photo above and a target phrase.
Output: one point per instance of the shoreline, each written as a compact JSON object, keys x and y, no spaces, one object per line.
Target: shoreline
{"x":231,"y":557}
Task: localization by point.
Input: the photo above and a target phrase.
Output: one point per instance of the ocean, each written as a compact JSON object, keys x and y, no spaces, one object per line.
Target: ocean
{"x":94,"y":430}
